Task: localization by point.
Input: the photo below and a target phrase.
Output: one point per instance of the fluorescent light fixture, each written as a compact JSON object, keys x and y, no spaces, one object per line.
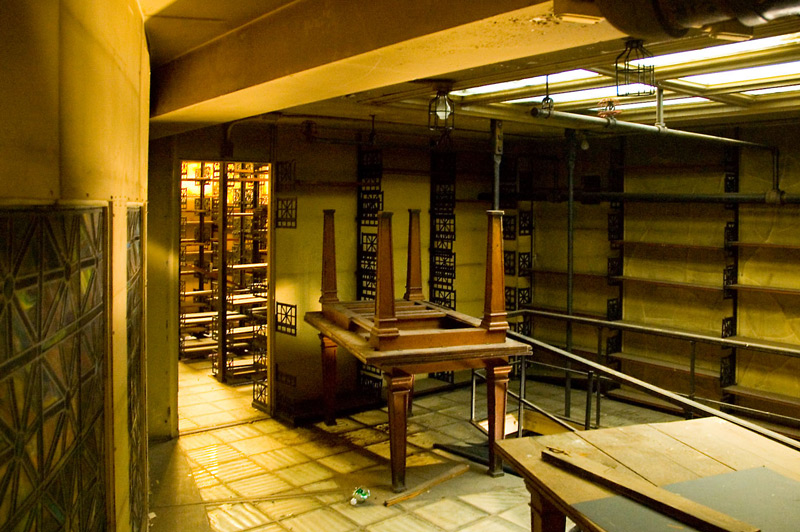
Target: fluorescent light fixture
{"x":781,"y":70}
{"x":773,"y":90}
{"x":560,"y":77}
{"x":724,"y":50}
{"x":645,"y":105}
{"x":591,"y":95}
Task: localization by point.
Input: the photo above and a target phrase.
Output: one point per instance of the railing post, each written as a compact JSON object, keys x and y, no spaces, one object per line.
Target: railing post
{"x":587,"y":422}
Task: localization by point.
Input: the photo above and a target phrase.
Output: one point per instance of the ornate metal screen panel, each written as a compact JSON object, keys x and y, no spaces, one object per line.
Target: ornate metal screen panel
{"x":52,"y":370}
{"x":137,"y":430}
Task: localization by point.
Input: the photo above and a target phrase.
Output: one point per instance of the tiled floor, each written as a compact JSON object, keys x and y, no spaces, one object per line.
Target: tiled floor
{"x":235,"y":469}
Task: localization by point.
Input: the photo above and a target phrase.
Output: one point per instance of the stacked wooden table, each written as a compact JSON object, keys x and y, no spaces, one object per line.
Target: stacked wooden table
{"x":411,"y":336}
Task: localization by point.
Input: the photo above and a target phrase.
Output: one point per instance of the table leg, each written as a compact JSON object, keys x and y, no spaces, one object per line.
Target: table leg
{"x":544,"y":516}
{"x":496,"y":389}
{"x":329,"y":379}
{"x":399,"y":386}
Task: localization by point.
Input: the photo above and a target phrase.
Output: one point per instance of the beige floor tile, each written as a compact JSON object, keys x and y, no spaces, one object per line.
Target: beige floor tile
{"x":281,"y":509}
{"x":366,"y":513}
{"x":234,"y":403}
{"x":261,"y":485}
{"x":203,"y":478}
{"x":190,"y":399}
{"x":323,"y":447}
{"x":494,"y":524}
{"x":320,"y":520}
{"x":449,"y":514}
{"x":239,"y":432}
{"x":423,"y":459}
{"x":428,"y":438}
{"x":297,"y":436}
{"x":371,"y":417}
{"x":434,"y":420}
{"x":279,"y":458}
{"x":497,"y":501}
{"x":270,"y":527}
{"x":260,"y":444}
{"x":185,"y":425}
{"x":347,"y":462}
{"x":219,"y":492}
{"x":213,"y":420}
{"x":463,"y":432}
{"x":364,"y":437}
{"x":404,"y":523}
{"x":304,"y":474}
{"x":342,"y":425}
{"x":246,"y":413}
{"x":195,"y":441}
{"x":519,"y":515}
{"x":227,"y":472}
{"x":235,"y":517}
{"x":214,"y":454}
{"x":433,"y":402}
{"x":382,"y":449}
{"x":268,"y":426}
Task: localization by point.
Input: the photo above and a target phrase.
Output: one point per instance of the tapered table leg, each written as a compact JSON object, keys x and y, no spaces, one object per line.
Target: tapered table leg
{"x":544,"y":516}
{"x":399,"y":386}
{"x":329,"y":379}
{"x":496,"y":389}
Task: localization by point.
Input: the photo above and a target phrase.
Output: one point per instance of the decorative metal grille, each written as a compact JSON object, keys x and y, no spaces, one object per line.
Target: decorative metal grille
{"x":52,"y":370}
{"x":614,"y":343}
{"x":286,"y":213}
{"x":510,"y":262}
{"x":509,"y":227}
{"x":727,"y":369}
{"x":286,"y":318}
{"x":525,"y":263}
{"x":511,"y":298}
{"x":523,"y":296}
{"x":285,"y":178}
{"x":137,"y":430}
{"x":614,"y":309}
{"x":444,"y":376}
{"x":443,"y":228}
{"x":728,"y":327}
{"x":525,"y":223}
{"x":370,"y":203}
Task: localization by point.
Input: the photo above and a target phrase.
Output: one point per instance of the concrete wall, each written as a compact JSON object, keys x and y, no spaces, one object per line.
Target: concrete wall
{"x":74,"y":100}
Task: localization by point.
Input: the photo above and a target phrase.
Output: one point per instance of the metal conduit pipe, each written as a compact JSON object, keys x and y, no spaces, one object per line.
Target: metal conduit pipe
{"x":573,"y":120}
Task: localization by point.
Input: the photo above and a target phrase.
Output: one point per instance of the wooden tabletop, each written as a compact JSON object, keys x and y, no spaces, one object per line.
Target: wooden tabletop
{"x":660,"y":453}
{"x":357,"y":343}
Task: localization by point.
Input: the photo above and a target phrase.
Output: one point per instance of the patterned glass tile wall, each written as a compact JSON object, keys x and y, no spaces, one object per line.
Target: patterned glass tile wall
{"x":136,"y":382}
{"x":52,"y":370}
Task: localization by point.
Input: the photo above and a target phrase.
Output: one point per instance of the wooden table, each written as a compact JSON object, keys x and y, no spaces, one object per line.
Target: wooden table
{"x":661,"y":453}
{"x":399,"y":367}
{"x":411,"y":336}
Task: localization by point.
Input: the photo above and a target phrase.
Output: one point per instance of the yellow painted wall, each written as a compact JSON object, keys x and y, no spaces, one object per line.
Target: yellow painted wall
{"x":75,"y":101}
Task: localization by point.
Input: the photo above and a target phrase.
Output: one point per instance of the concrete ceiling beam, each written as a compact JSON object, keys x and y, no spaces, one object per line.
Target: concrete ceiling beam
{"x":314,"y":50}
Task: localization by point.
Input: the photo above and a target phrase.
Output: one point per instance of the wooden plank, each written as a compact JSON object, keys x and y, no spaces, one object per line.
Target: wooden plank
{"x":697,"y":515}
{"x":653,"y":455}
{"x":427,"y":485}
{"x":736,"y":447}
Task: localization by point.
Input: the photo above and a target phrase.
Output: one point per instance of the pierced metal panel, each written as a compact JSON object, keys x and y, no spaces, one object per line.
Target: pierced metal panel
{"x":52,"y":370}
{"x":444,"y":198}
{"x":525,"y":263}
{"x":445,"y":297}
{"x":137,"y":429}
{"x":511,"y":298}
{"x":286,"y":318}
{"x":510,"y":262}
{"x":728,"y":327}
{"x":614,"y":268}
{"x":370,"y":203}
{"x":616,"y":227}
{"x":445,"y":265}
{"x":525,"y":223}
{"x":727,"y":369}
{"x":614,"y":343}
{"x":444,"y":227}
{"x":444,"y":376}
{"x":285,"y":176}
{"x":524,"y":296}
{"x":286,"y":213}
{"x":509,"y":227}
{"x":614,"y":309}
{"x":524,"y":326}
{"x":370,"y":379}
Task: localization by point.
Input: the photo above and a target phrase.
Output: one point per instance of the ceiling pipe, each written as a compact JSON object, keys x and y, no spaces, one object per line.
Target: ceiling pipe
{"x":671,"y":19}
{"x":611,"y":124}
